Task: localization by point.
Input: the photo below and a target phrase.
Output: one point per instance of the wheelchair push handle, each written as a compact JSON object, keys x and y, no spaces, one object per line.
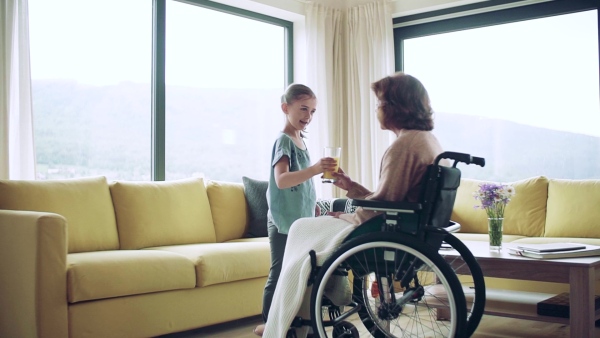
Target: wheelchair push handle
{"x":460,"y":157}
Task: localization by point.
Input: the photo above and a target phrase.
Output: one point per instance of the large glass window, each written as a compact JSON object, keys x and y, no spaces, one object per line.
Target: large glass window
{"x":92,"y":65}
{"x":224,"y":79}
{"x":524,"y":95}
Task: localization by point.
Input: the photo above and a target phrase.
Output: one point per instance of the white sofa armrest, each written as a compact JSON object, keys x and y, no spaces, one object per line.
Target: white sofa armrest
{"x":33,"y":283}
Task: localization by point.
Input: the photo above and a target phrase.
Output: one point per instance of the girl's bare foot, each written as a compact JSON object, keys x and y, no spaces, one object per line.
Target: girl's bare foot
{"x":259,"y":330}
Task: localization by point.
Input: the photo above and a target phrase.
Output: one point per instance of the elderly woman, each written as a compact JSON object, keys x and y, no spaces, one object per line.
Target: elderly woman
{"x":404,"y":109}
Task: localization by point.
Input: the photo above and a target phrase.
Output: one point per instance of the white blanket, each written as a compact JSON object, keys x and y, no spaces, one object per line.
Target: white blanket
{"x":322,"y":234}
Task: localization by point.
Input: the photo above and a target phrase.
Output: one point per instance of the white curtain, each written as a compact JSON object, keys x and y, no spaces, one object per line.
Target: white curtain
{"x":323,"y":33}
{"x":17,"y":157}
{"x":348,"y":49}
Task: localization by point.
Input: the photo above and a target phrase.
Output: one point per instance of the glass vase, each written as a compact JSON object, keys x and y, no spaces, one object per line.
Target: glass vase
{"x":495,"y":232}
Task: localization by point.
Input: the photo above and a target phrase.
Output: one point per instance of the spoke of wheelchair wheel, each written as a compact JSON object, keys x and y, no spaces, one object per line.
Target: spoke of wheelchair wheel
{"x":418,"y":318}
{"x":453,"y":262}
{"x":469,"y":284}
{"x":419,"y":326}
{"x":419,"y":322}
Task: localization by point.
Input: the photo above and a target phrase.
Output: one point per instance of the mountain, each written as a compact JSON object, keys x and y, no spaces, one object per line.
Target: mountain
{"x":227,"y":133}
{"x":515,"y":151}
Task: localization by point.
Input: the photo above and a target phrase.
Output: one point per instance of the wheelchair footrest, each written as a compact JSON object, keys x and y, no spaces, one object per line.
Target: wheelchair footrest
{"x":299,"y":322}
{"x":314,"y":268}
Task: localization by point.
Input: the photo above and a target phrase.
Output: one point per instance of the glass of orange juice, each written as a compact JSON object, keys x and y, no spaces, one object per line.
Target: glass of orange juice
{"x":333,"y":152}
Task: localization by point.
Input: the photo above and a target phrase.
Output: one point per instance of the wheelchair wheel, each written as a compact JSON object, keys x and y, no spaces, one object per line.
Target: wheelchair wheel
{"x":465,"y":265}
{"x":415,"y":287}
{"x":345,"y":329}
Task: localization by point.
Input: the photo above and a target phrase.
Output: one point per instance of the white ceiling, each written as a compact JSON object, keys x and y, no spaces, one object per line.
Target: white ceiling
{"x":293,"y":10}
{"x":399,"y":6}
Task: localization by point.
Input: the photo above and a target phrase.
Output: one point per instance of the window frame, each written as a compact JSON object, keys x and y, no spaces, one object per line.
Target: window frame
{"x":459,"y":18}
{"x":418,"y":25}
{"x":158,"y":87}
{"x":481,"y":15}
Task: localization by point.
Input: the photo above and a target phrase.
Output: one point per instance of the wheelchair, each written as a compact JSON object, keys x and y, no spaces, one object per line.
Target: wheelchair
{"x":401,"y":282}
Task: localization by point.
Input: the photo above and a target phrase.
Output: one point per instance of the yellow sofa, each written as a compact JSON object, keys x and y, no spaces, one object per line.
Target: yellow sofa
{"x":89,"y":258}
{"x":543,"y":210}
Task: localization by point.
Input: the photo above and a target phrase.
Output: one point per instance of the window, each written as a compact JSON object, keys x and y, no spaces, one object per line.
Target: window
{"x":523,"y":94}
{"x":92,"y":63}
{"x":223,"y":93}
{"x":90,"y":67}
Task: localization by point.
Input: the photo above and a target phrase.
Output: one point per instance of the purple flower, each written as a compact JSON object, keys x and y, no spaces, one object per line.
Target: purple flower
{"x":494,"y":198}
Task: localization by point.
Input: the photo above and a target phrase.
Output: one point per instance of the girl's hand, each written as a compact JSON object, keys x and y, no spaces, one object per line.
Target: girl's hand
{"x":342,"y":180}
{"x":335,"y":214}
{"x":325,"y":164}
{"x":317,"y":210}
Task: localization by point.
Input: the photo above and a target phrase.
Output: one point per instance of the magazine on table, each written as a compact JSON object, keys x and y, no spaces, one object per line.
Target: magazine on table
{"x":550,"y":247}
{"x":555,"y":250}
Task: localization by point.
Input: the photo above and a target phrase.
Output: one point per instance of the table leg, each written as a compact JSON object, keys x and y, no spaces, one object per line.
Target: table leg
{"x":582,"y":301}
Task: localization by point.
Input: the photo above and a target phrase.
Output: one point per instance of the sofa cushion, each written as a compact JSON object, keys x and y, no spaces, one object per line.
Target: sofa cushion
{"x":162,"y":213}
{"x":84,"y":202}
{"x":226,"y":262}
{"x":525,"y":214}
{"x":256,"y":197}
{"x":228,"y":208}
{"x":107,"y":274}
{"x":573,"y":208}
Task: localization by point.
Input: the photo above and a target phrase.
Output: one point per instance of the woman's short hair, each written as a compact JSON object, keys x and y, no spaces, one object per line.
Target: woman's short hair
{"x":404,"y":102}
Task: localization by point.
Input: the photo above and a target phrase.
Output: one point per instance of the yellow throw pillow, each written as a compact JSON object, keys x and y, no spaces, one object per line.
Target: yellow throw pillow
{"x":471,"y":220}
{"x":525,"y":214}
{"x":162,"y":213}
{"x":84,"y":202}
{"x":573,"y":208}
{"x":228,"y":208}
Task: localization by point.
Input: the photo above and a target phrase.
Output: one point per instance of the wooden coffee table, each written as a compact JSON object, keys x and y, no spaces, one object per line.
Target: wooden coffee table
{"x":580,"y":273}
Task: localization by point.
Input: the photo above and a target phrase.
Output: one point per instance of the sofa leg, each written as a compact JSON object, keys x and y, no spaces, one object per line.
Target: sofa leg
{"x":442,"y":314}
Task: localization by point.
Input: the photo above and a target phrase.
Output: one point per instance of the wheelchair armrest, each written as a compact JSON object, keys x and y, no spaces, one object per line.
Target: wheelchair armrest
{"x":403,"y":207}
{"x":452,"y":227}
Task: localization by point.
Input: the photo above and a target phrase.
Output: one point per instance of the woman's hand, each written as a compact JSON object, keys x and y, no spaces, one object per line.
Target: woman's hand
{"x":335,"y":214}
{"x":342,"y":180}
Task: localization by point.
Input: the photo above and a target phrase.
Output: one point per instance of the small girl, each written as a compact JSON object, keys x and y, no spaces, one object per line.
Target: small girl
{"x":291,"y":194}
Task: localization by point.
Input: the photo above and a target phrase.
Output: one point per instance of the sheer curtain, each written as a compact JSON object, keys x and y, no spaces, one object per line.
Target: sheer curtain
{"x":323,"y":63}
{"x":17,"y":157}
{"x":348,"y":49}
